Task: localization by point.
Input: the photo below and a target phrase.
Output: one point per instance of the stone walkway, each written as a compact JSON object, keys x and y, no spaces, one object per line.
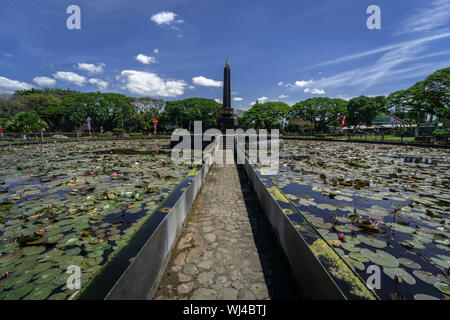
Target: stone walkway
{"x":226,"y":250}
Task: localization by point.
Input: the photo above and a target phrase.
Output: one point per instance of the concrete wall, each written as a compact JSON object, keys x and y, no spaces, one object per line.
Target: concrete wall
{"x":141,"y":278}
{"x":313,"y":279}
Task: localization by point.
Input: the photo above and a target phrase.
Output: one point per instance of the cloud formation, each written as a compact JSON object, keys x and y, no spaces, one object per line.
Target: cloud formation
{"x":150,"y":84}
{"x":237,"y":99}
{"x":71,"y":77}
{"x":314,"y":91}
{"x":44,"y":81}
{"x":102,"y":85}
{"x":165,"y":18}
{"x":9,"y":86}
{"x":145,"y":59}
{"x":435,"y":15}
{"x":262,"y":100}
{"x":202,"y":81}
{"x":91,"y":68}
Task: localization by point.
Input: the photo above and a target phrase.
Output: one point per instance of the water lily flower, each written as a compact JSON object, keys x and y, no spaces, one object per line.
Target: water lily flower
{"x":114,"y":174}
{"x":341,"y":236}
{"x":374,"y":223}
{"x":5,"y":274}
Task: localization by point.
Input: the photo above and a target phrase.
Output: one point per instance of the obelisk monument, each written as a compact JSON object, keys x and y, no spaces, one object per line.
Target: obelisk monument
{"x":228,"y":119}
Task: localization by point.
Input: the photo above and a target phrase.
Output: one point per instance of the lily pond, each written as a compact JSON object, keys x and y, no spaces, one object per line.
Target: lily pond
{"x":377,"y":205}
{"x":75,"y":203}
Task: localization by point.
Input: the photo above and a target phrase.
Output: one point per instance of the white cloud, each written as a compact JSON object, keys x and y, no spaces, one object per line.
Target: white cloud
{"x":390,"y":66}
{"x":414,"y":42}
{"x":70,"y":77}
{"x":314,"y":91}
{"x":302,"y":83}
{"x":297,"y":84}
{"x":165,"y":17}
{"x":44,"y":81}
{"x":145,"y":59}
{"x":202,"y":81}
{"x":283,"y":96}
{"x":262,"y":100}
{"x":102,"y":85}
{"x":156,"y":51}
{"x":150,"y":84}
{"x":91,"y":68}
{"x":237,"y":99}
{"x":435,"y":15}
{"x":191,"y":87}
{"x":218,"y":100}
{"x":9,"y":86}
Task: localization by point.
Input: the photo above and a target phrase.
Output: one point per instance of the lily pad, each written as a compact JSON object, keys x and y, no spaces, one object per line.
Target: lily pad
{"x":381,"y":258}
{"x":425,"y":276}
{"x":401,"y":273}
{"x":409,"y":263}
{"x":442,"y":287}
{"x":39,"y":293}
{"x":372,"y":242}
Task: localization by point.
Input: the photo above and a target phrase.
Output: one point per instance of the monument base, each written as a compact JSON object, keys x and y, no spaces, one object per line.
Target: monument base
{"x":227,"y":123}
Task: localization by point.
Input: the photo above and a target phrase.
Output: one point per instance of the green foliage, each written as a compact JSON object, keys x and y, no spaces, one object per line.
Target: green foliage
{"x":184,"y":112}
{"x":322,"y":112}
{"x":363,"y":110}
{"x":265,"y":116}
{"x":26,"y":122}
{"x":426,"y":99}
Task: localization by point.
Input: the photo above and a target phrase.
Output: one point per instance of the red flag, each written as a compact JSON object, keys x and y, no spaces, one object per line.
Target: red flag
{"x":343,"y":122}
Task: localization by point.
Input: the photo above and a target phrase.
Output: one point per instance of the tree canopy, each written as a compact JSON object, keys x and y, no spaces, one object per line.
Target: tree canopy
{"x":267,"y":115}
{"x":322,"y":112}
{"x":67,"y":110}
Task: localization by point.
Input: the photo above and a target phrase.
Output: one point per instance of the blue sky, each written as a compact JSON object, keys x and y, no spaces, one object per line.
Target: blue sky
{"x":173,"y":49}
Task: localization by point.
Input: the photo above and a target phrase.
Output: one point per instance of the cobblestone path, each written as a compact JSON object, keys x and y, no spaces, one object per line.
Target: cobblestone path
{"x":227,"y":250}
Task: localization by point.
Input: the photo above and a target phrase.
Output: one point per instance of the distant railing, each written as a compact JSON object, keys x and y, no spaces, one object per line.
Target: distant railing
{"x":374,"y":137}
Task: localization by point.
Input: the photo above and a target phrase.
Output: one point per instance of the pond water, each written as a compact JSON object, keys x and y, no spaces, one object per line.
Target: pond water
{"x":75,"y":203}
{"x":377,"y":205}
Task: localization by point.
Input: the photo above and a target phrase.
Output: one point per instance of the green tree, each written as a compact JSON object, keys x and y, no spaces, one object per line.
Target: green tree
{"x":265,"y":116}
{"x":322,"y":112}
{"x":363,"y":110}
{"x":432,"y":95}
{"x":26,"y":122}
{"x":184,"y":112}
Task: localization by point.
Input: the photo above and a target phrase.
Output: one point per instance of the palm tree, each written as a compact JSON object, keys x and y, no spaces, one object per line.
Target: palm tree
{"x":26,"y":122}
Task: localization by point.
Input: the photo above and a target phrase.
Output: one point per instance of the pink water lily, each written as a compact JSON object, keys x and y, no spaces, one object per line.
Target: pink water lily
{"x":5,"y":274}
{"x":374,"y":223}
{"x":341,"y":236}
{"x":114,"y":174}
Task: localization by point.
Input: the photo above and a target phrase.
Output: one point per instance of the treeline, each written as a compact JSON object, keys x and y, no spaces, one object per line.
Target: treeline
{"x":59,"y":110}
{"x":427,"y":100}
